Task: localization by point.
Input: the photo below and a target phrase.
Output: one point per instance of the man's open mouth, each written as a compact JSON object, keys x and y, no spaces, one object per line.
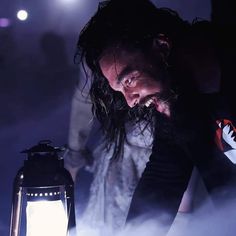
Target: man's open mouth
{"x":148,"y":100}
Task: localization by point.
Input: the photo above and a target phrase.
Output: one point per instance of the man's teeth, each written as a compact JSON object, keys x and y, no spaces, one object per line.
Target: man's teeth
{"x":149,"y":102}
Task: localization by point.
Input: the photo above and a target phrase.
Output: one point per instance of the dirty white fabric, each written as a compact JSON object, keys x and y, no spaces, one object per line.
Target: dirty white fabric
{"x":115,"y":181}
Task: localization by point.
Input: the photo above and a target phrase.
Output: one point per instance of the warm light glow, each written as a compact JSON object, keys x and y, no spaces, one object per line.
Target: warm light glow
{"x":46,"y":218}
{"x":22,"y":15}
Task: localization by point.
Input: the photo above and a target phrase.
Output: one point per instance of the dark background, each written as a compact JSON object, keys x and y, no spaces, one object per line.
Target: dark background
{"x":37,"y":77}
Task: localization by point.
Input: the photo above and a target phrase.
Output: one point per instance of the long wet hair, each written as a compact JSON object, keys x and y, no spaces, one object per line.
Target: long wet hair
{"x":133,"y":23}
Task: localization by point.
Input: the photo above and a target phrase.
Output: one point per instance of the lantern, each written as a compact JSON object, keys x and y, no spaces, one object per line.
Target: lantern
{"x":43,"y":195}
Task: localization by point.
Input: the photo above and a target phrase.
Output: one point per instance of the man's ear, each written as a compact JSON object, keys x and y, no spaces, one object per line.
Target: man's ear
{"x":163,"y":45}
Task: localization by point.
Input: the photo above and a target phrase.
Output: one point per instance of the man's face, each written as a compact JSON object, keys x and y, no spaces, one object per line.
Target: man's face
{"x":135,"y":75}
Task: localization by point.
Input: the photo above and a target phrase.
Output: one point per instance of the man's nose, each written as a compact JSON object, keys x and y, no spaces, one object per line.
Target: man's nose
{"x":132,"y":99}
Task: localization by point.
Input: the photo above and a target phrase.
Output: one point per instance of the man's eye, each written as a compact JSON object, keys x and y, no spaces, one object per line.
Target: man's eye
{"x":129,"y":81}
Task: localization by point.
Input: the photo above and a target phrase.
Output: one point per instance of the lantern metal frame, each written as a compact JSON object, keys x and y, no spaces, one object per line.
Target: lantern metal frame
{"x":43,"y":177}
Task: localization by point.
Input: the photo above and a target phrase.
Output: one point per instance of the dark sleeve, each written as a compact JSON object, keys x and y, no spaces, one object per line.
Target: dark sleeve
{"x":161,"y":187}
{"x":216,"y":169}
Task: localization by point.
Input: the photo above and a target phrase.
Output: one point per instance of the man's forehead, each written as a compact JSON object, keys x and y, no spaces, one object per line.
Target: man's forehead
{"x":112,"y":57}
{"x":119,"y":55}
{"x":109,"y":66}
{"x":111,"y":53}
{"x":108,"y":62}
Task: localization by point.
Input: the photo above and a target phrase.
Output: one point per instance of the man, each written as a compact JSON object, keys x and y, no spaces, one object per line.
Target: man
{"x":149,"y":64}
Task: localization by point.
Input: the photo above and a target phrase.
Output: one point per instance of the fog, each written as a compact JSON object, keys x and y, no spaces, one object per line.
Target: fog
{"x":206,"y":220}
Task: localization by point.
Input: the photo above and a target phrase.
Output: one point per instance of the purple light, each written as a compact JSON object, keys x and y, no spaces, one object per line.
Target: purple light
{"x":4,"y":22}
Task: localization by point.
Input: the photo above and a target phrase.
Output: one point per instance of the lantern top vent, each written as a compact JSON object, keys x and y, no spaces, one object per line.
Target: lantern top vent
{"x":43,"y":147}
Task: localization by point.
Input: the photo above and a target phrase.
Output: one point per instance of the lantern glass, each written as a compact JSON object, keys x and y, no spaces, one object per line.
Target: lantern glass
{"x":46,"y":218}
{"x":46,"y":211}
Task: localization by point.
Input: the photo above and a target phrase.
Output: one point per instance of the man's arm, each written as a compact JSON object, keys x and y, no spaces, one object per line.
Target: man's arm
{"x":161,"y":187}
